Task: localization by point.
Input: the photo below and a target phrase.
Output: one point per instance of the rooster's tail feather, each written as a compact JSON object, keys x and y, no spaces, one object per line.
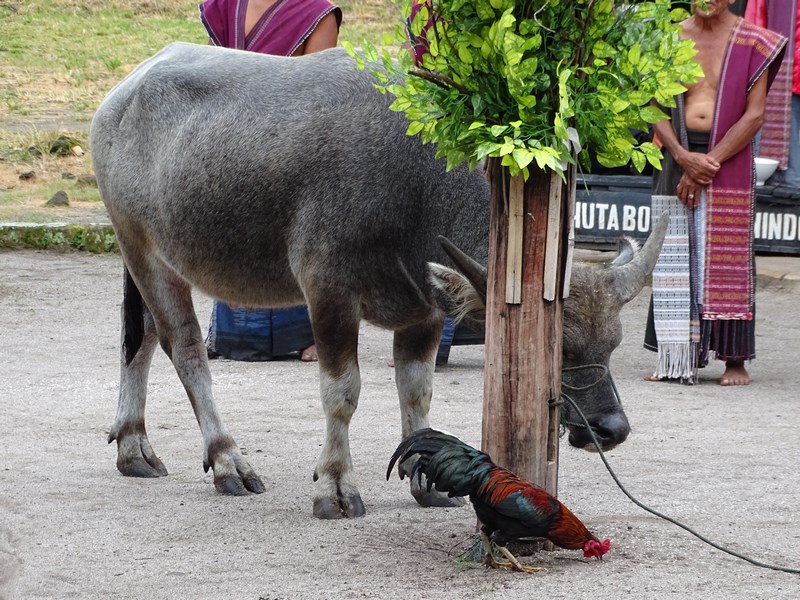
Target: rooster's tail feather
{"x":445,"y":461}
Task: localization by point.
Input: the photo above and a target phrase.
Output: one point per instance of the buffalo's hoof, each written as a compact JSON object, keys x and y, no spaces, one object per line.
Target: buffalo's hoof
{"x":232,"y":485}
{"x":339,"y":508}
{"x":135,"y":456}
{"x":141,"y":467}
{"x":233,"y":475}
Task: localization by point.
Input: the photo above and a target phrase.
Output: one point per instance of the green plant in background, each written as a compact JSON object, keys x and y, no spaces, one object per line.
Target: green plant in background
{"x":538,"y":80}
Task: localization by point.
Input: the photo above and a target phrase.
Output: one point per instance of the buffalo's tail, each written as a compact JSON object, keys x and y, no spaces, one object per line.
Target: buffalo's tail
{"x":133,"y":308}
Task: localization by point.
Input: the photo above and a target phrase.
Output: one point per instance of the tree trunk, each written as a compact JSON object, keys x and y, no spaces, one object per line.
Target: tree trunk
{"x":529,"y":254}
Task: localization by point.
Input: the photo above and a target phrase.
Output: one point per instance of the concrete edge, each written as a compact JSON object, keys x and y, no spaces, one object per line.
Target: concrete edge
{"x":99,"y":238}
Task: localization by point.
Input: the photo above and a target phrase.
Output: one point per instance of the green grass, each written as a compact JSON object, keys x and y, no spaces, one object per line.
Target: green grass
{"x":59,"y":58}
{"x":66,"y":55}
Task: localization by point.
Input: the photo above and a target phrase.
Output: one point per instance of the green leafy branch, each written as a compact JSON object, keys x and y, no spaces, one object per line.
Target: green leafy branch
{"x":538,"y":80}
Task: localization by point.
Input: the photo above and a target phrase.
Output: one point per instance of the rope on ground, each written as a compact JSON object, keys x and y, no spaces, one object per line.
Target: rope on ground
{"x":663,"y":516}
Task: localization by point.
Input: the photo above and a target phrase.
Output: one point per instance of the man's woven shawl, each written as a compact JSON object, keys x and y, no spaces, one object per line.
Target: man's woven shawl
{"x":728,"y":282}
{"x":281,"y":30}
{"x":706,"y":261}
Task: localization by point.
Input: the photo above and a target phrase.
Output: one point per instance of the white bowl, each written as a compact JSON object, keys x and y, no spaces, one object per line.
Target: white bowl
{"x":765,"y":167}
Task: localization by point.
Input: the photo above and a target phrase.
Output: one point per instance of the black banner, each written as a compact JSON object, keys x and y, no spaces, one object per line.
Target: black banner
{"x":611,"y":206}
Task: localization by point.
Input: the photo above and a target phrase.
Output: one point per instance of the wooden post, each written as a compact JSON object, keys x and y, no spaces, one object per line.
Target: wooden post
{"x":523,"y":323}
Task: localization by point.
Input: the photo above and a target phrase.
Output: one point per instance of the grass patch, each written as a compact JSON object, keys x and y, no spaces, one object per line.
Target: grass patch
{"x":63,"y":55}
{"x":91,"y":238}
{"x":59,"y":58}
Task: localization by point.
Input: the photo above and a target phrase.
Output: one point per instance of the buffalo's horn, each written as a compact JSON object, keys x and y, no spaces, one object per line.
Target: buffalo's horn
{"x":469,"y":267}
{"x":630,"y":275}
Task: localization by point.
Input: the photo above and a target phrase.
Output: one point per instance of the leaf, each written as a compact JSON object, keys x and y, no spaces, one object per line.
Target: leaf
{"x":639,"y":161}
{"x":370,"y":53}
{"x":484,"y":150}
{"x":523,"y":157}
{"x":414,"y":128}
{"x":618,"y":105}
{"x":635,"y":54}
{"x":420,"y":20}
{"x":506,"y":147}
{"x":464,"y":54}
{"x":652,"y":114}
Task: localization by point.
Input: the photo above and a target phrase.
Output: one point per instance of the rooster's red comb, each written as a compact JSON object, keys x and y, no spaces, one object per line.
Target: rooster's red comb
{"x":596,"y":549}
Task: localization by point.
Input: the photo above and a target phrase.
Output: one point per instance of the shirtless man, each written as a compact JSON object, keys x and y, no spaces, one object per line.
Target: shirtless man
{"x":711,"y":27}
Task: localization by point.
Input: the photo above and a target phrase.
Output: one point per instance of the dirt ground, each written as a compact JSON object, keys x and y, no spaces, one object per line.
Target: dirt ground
{"x":722,"y":460}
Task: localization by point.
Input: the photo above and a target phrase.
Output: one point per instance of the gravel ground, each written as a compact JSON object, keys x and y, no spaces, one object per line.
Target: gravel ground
{"x":723,"y":460}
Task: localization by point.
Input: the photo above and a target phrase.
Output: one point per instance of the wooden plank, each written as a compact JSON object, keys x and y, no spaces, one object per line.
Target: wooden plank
{"x":553,"y":238}
{"x":571,"y":191}
{"x":514,"y":240}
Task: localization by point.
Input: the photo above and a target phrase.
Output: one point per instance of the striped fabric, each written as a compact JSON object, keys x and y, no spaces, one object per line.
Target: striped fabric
{"x":728,"y":290}
{"x":729,"y":285}
{"x":776,"y":131}
{"x":672,"y":297}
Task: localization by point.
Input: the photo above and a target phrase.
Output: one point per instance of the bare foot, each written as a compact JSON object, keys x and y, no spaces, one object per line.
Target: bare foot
{"x":652,"y":377}
{"x":310,"y":354}
{"x":735,"y":374}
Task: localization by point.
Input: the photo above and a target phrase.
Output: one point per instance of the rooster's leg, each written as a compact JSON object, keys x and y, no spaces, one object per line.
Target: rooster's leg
{"x":515,"y":564}
{"x":512,"y":563}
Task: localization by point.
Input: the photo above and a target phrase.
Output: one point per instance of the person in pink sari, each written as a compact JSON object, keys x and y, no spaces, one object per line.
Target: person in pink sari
{"x":704,"y":280}
{"x":286,"y":28}
{"x":780,"y":136}
{"x":282,"y":27}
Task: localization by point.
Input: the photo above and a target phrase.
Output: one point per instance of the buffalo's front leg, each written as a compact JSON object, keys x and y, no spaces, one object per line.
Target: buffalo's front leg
{"x":415,"y":359}
{"x":336,"y":495}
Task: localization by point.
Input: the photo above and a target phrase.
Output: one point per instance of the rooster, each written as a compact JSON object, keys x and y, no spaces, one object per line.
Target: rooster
{"x":508,"y":507}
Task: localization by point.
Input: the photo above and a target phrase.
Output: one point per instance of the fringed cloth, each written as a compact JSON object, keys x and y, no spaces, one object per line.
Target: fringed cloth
{"x":704,"y":280}
{"x":673,"y":324}
{"x":779,"y":16}
{"x":281,"y":30}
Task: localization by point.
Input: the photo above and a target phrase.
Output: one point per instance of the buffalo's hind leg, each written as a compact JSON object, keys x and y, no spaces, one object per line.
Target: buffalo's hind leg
{"x":169,"y":300}
{"x":135,"y":456}
{"x":414,"y":359}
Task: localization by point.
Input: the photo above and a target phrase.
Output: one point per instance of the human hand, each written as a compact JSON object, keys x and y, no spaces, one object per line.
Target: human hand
{"x":688,"y":191}
{"x":700,"y":167}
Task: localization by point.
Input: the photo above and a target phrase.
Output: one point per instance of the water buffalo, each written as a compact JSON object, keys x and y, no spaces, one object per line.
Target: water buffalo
{"x":272,"y":181}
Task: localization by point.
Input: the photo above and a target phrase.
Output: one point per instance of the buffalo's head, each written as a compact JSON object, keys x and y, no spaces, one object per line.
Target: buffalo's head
{"x":591,"y":325}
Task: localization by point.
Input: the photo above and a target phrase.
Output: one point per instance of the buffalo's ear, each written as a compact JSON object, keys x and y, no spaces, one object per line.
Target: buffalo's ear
{"x":455,"y":294}
{"x":471,"y":268}
{"x":632,"y":266}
